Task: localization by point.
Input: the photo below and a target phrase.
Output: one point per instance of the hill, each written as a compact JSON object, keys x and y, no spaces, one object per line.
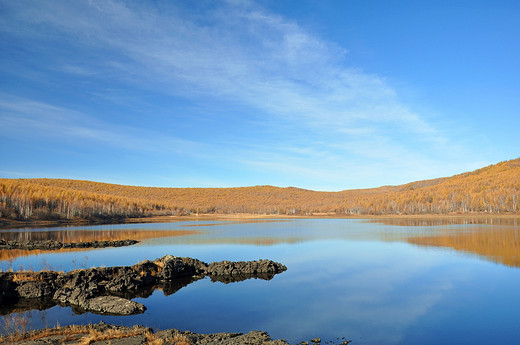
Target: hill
{"x":493,"y":189}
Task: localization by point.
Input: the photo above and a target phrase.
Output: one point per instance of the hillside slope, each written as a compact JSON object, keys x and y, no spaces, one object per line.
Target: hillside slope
{"x":493,"y":189}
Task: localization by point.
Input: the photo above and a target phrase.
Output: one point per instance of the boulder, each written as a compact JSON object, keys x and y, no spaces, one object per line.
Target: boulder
{"x":35,"y":289}
{"x":113,"y":305}
{"x":244,"y":267}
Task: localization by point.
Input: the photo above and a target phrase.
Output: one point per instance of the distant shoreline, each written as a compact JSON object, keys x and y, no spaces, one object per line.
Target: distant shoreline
{"x":475,"y":217}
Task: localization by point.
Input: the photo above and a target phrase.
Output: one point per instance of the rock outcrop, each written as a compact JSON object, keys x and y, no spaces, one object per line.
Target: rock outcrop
{"x":102,"y":333}
{"x":55,"y":245}
{"x":108,"y":290}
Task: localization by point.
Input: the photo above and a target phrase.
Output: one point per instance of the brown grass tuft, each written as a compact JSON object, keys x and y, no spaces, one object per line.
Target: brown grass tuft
{"x":95,"y":335}
{"x":179,"y":339}
{"x":82,"y":335}
{"x":26,"y":276}
{"x":152,"y":339}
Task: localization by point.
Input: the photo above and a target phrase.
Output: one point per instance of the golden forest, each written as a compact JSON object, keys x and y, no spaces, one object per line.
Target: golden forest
{"x":493,"y":189}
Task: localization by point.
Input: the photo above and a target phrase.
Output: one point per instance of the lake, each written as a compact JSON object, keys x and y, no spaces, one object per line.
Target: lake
{"x":373,"y":282}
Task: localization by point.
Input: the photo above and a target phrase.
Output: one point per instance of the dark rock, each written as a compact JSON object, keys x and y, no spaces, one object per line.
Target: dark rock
{"x":55,"y":245}
{"x":226,"y":279}
{"x":87,"y":289}
{"x":139,"y":335}
{"x":35,"y":289}
{"x":176,"y":267}
{"x":244,"y":267}
{"x":7,"y":286}
{"x":251,"y":338}
{"x":114,"y":305}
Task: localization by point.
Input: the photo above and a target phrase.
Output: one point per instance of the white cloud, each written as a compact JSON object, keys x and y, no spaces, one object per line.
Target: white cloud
{"x":23,"y":117}
{"x":237,"y":52}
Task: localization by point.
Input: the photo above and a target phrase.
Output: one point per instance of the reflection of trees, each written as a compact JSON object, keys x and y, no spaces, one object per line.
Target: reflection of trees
{"x":66,"y":236}
{"x":447,"y":220}
{"x":501,"y":245}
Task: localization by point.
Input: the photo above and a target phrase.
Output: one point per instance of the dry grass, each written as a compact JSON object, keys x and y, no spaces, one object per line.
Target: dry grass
{"x":152,"y":272}
{"x":153,"y":340}
{"x":175,"y":339}
{"x":20,"y":334}
{"x":16,"y":330}
{"x":179,"y":339}
{"x":96,"y":335}
{"x":72,"y":332}
{"x":26,"y":276}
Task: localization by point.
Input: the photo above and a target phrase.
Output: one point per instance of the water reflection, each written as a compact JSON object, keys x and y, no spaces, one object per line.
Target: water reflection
{"x":91,"y":235}
{"x":365,"y":280}
{"x":8,"y":255}
{"x":70,"y":235}
{"x":498,"y":244}
{"x":19,"y":305}
{"x":207,"y":222}
{"x":442,"y":221}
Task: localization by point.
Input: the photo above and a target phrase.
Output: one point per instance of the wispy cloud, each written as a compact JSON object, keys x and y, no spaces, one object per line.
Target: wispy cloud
{"x":236,"y":51}
{"x":285,"y":79}
{"x":21,"y":117}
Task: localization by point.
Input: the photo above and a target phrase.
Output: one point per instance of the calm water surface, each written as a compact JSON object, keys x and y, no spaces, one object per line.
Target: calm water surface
{"x":369,"y":282}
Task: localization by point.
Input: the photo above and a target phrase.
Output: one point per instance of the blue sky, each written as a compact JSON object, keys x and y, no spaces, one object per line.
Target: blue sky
{"x":324,"y":95}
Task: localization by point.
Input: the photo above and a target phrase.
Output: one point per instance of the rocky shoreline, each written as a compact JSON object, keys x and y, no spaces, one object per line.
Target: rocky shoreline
{"x":102,"y":333}
{"x":108,"y":290}
{"x":56,"y":245}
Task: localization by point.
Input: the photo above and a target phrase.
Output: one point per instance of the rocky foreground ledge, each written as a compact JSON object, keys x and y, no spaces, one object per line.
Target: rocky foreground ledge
{"x":107,"y":290}
{"x":56,"y":245}
{"x":102,"y":333}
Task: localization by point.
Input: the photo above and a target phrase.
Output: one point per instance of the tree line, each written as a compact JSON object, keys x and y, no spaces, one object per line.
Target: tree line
{"x":493,"y":189}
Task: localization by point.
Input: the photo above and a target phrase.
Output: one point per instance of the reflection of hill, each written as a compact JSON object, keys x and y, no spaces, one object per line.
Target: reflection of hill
{"x":11,"y":254}
{"x":446,"y":220}
{"x":501,"y":245}
{"x":204,"y":240}
{"x":65,"y":236}
{"x":92,"y":235}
